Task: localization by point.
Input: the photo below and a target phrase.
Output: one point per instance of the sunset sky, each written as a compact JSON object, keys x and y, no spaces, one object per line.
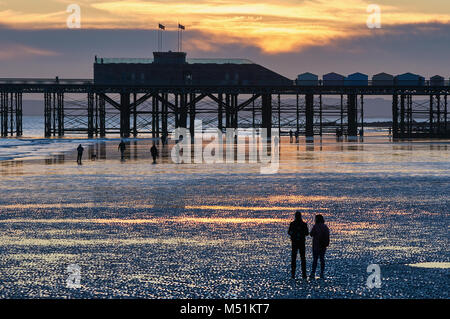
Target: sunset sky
{"x":290,"y":36}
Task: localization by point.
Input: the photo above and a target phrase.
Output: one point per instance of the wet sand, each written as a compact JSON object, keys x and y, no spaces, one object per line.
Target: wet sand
{"x":219,"y":230}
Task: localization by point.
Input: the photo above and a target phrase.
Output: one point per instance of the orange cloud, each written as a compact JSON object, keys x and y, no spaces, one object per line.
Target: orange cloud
{"x":18,"y":50}
{"x":273,"y":26}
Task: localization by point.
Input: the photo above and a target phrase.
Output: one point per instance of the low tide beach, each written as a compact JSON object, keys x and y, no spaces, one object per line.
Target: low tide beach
{"x":220,"y":230}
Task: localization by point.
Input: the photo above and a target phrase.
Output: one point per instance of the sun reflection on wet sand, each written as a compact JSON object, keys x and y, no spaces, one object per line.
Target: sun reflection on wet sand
{"x":140,"y":206}
{"x":212,"y":220}
{"x":436,"y":265}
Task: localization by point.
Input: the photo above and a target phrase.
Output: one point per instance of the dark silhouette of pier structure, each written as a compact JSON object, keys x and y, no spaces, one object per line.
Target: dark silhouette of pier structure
{"x":132,"y":97}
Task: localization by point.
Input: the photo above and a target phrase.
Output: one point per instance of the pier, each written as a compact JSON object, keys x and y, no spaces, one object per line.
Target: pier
{"x":129,"y":110}
{"x":154,"y":96}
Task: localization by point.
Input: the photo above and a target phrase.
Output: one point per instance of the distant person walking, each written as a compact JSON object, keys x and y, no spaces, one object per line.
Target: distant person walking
{"x":154,"y":152}
{"x":321,"y":239}
{"x":164,"y":139}
{"x":296,"y":136}
{"x":298,"y":230}
{"x":122,"y":147}
{"x":80,"y":151}
{"x":291,"y":134}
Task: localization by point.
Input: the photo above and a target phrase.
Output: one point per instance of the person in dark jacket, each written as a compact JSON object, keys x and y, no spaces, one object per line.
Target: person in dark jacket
{"x":154,"y":152}
{"x":80,"y":150}
{"x":291,"y":134}
{"x":321,"y":239}
{"x":122,"y":147}
{"x":298,"y":230}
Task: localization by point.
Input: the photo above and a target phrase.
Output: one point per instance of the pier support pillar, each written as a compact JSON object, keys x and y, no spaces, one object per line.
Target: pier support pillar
{"x":124,"y":115}
{"x":446,"y":128}
{"x":402,"y":115}
{"x":267,"y":113}
{"x":227,"y":110}
{"x":164,"y":115}
{"x":438,"y":115}
{"x":431,"y":115}
{"x":90,"y":112}
{"x":47,"y":115}
{"x":182,"y":122}
{"x":279,"y":113}
{"x":60,"y":114}
{"x":309,"y":113}
{"x":362,"y":116}
{"x":192,"y":116}
{"x":154,"y":116}
{"x":234,"y":112}
{"x":342,"y":115}
{"x":102,"y":116}
{"x":4,"y":114}
{"x":297,"y":114}
{"x":10,"y":114}
{"x":253,"y":115}
{"x":320,"y":115}
{"x":18,"y":113}
{"x":395,"y":116}
{"x":352,"y":129}
{"x":135,"y":130}
{"x":409,"y":113}
{"x":220,"y":113}
{"x":176,"y":110}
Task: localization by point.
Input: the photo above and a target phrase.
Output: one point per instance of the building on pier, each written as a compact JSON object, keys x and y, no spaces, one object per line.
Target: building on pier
{"x":357,"y":79}
{"x":333,"y":79}
{"x":383,"y":79}
{"x":173,"y":68}
{"x":409,"y":79}
{"x":437,"y":80}
{"x":308,"y":79}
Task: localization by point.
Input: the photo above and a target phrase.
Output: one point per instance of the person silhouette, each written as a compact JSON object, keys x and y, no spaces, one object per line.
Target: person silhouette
{"x":296,"y":136}
{"x":122,"y":148}
{"x":154,"y":152}
{"x":321,"y":240}
{"x":164,"y":139}
{"x":80,"y":150}
{"x":298,"y":230}
{"x":291,"y":134}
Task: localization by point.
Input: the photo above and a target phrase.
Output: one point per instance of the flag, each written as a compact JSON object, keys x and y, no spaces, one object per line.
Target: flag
{"x":182,"y":27}
{"x":162,"y":27}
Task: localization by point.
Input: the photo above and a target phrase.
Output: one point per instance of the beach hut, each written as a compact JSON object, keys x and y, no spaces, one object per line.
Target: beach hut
{"x":307,"y":79}
{"x":409,"y":79}
{"x":333,"y":79}
{"x":383,"y":79}
{"x":437,"y":80}
{"x":357,"y":79}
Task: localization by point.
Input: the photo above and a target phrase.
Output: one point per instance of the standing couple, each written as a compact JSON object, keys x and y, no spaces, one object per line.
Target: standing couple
{"x":298,"y":230}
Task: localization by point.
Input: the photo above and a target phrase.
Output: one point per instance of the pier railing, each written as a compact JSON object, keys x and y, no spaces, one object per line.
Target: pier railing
{"x":45,"y":81}
{"x":301,"y":83}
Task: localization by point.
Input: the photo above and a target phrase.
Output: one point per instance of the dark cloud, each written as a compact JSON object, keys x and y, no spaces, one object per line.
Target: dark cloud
{"x":420,"y":48}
